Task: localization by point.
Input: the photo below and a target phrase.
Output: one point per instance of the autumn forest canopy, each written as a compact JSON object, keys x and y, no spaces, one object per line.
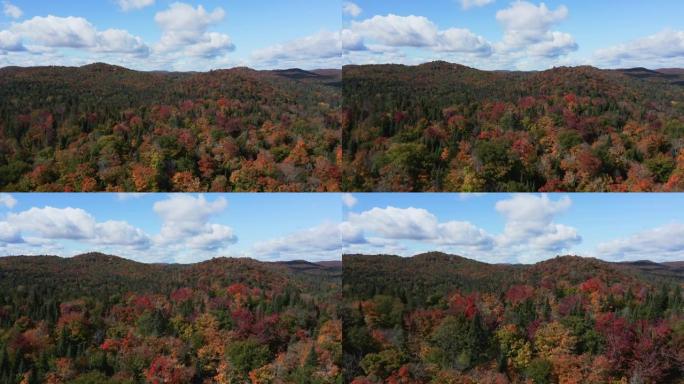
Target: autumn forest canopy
{"x":102,"y":127}
{"x":370,"y":319}
{"x":96,"y":318}
{"x":432,"y":127}
{"x":446,"y":127}
{"x":341,"y":192}
{"x":437,"y":318}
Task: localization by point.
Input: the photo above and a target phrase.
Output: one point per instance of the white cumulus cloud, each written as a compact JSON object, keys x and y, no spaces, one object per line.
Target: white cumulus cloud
{"x":420,"y":225}
{"x":322,"y":242}
{"x":530,"y":221}
{"x":11,"y":10}
{"x":351,"y":9}
{"x":127,"y":5}
{"x":394,"y":30}
{"x":418,"y":32}
{"x":524,"y":22}
{"x":664,"y":243}
{"x":185,"y":220}
{"x":77,"y":32}
{"x":7,"y":200}
{"x":50,"y":223}
{"x":54,"y":31}
{"x":55,"y":223}
{"x":213,"y":237}
{"x":352,"y":41}
{"x":649,"y":50}
{"x":348,"y":200}
{"x":186,"y":233}
{"x":462,"y":40}
{"x":527,"y":27}
{"x":9,"y":234}
{"x":530,"y":231}
{"x":120,"y":41}
{"x":321,"y":45}
{"x":11,"y":42}
{"x":529,"y":39}
{"x":397,"y":223}
{"x":120,"y":233}
{"x":467,"y":4}
{"x":185,"y":31}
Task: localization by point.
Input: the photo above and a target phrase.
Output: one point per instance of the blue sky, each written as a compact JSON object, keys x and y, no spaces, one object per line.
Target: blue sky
{"x":175,"y":35}
{"x":519,"y":228}
{"x":172,"y":227}
{"x":210,"y":34}
{"x":501,"y":34}
{"x":497,"y":228}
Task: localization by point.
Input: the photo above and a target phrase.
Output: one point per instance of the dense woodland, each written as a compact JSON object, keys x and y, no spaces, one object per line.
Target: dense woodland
{"x":445,"y":127}
{"x":432,"y":127}
{"x":102,"y":319}
{"x":437,"y":318}
{"x":102,"y":127}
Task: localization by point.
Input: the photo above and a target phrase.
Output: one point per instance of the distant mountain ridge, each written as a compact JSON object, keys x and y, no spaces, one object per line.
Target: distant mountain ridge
{"x":669,"y":75}
{"x":111,"y":81}
{"x":441,"y":273}
{"x":441,"y":65}
{"x":671,"y":71}
{"x":294,"y":73}
{"x":674,"y":268}
{"x":98,"y":257}
{"x":97,"y":269}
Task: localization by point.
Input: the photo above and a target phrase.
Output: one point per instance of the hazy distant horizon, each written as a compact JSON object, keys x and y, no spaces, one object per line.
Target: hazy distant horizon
{"x":669,"y":262}
{"x":174,"y":71}
{"x":233,"y":257}
{"x":337,"y":68}
{"x":339,"y":259}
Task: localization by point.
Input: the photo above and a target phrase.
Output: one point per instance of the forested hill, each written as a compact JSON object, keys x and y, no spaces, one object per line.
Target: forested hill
{"x":104,"y":127}
{"x":443,"y":318}
{"x":98,"y":318}
{"x":442,"y":126}
{"x":93,"y":270}
{"x":116,"y":87}
{"x":438,"y":273}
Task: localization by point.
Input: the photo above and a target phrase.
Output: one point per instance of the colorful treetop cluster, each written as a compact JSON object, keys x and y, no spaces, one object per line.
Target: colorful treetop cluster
{"x":446,"y":127}
{"x":567,"y":320}
{"x":107,"y":128}
{"x":102,"y":319}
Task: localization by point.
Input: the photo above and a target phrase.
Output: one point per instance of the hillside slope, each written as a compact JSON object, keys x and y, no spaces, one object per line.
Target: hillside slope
{"x":440,"y":273}
{"x":446,"y":127}
{"x":105,"y":319}
{"x":443,"y":318}
{"x":104,"y":127}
